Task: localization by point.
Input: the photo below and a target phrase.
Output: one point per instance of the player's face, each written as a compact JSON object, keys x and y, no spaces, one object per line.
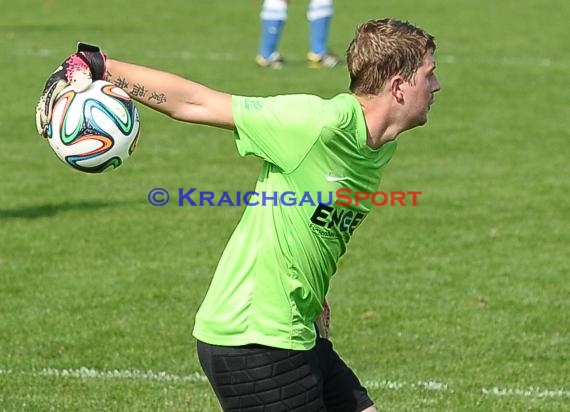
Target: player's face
{"x":419,"y":92}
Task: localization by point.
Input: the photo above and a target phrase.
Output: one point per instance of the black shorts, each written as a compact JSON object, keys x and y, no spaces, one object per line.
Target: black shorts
{"x":257,"y":378}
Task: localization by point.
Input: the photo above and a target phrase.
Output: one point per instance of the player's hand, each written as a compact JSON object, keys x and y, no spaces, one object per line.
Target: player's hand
{"x":324,"y":321}
{"x":79,"y":70}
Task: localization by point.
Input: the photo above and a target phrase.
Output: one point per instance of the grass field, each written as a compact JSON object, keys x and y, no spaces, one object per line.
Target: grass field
{"x":459,"y":304}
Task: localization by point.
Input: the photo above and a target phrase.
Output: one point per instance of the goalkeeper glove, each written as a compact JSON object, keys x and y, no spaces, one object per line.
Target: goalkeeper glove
{"x":324,"y":321}
{"x":79,"y":70}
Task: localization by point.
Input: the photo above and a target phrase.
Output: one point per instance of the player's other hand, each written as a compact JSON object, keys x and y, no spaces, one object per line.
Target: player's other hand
{"x":79,"y":70}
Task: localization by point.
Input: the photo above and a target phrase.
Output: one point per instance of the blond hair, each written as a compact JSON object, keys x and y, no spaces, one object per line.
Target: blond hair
{"x":384,"y":48}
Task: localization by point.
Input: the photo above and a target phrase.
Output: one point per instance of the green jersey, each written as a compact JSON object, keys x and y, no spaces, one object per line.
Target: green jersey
{"x":273,"y":276}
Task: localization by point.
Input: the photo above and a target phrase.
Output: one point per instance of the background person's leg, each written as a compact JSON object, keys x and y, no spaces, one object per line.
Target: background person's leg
{"x":319,"y":15}
{"x":273,"y":17}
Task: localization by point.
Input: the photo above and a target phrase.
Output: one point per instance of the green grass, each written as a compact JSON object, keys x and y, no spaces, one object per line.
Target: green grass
{"x":469,"y":290}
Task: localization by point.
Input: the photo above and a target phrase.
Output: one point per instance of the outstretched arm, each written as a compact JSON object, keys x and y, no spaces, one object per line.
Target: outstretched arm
{"x":172,"y":95}
{"x":168,"y":93}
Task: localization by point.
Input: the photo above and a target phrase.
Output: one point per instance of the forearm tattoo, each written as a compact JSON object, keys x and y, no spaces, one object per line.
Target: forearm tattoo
{"x":137,"y":90}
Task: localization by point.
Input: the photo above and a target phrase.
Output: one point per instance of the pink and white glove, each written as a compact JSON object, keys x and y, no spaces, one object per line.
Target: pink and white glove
{"x":79,"y":70}
{"x":324,"y":321}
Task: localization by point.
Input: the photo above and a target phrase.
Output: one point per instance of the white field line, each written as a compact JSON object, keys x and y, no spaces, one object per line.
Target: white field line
{"x":186,"y":55}
{"x":122,"y":374}
{"x":528,"y":393}
{"x":532,"y":392}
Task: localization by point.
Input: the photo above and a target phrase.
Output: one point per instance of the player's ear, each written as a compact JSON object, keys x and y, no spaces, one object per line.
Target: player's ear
{"x":395,"y":87}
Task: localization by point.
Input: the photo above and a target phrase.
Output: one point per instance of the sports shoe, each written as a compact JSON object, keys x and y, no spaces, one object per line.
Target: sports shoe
{"x":325,"y":60}
{"x":274,"y":61}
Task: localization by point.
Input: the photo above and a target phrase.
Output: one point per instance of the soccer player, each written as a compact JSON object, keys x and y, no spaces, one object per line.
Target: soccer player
{"x":256,"y":336}
{"x":273,"y":17}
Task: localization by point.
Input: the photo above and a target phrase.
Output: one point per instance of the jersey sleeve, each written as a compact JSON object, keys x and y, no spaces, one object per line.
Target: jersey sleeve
{"x":279,"y":129}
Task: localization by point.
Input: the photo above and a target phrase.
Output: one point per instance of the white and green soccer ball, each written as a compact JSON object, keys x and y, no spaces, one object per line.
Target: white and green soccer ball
{"x":94,"y":130}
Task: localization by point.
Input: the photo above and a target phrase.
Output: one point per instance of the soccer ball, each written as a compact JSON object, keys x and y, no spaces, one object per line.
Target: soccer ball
{"x":94,"y":130}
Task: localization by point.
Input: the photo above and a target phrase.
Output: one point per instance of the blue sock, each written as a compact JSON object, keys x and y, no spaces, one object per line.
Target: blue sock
{"x":319,"y":34}
{"x":270,"y":34}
